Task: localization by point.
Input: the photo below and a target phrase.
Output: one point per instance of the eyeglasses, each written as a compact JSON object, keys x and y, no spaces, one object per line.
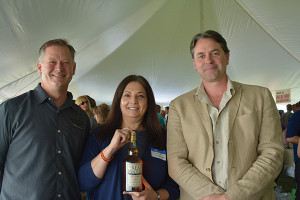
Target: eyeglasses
{"x":83,"y":102}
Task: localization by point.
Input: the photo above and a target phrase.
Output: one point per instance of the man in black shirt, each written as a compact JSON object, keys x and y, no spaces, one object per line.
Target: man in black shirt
{"x":43,"y":132}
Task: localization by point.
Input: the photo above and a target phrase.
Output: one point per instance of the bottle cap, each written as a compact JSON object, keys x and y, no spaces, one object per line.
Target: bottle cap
{"x":133,"y":137}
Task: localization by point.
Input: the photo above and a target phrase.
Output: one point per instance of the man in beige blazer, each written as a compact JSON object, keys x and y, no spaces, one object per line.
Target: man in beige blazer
{"x":224,"y":138}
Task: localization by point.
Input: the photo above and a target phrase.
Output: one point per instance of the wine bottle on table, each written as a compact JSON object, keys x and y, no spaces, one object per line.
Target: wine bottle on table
{"x":132,"y":168}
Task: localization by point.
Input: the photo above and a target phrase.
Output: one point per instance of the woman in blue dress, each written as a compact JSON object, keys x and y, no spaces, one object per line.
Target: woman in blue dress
{"x":101,"y":170}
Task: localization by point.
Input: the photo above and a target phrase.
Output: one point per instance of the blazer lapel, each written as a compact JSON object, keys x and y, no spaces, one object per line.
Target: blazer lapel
{"x":204,"y":116}
{"x":234,"y":105}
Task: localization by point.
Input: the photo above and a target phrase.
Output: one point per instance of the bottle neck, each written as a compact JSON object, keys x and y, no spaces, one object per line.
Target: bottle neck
{"x":132,"y":145}
{"x":133,"y":151}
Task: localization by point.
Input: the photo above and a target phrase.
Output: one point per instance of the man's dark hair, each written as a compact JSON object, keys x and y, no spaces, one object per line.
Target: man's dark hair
{"x":212,"y":35}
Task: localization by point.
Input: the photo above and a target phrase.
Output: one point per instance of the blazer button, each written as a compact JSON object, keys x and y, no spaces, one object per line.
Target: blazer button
{"x":208,"y":169}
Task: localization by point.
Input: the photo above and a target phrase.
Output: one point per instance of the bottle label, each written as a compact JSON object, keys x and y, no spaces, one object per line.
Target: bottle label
{"x":156,"y":153}
{"x":133,"y":174}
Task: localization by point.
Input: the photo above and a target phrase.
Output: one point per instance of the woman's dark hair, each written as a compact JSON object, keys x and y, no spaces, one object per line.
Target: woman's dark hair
{"x":150,"y":121}
{"x":212,"y":35}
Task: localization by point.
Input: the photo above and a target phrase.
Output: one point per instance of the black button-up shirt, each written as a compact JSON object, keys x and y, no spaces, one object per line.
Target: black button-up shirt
{"x":41,"y":146}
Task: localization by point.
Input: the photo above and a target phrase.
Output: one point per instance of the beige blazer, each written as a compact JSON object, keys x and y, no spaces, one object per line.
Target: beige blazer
{"x":255,"y":145}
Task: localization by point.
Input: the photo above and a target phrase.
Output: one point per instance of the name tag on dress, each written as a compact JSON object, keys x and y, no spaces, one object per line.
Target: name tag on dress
{"x":156,"y":153}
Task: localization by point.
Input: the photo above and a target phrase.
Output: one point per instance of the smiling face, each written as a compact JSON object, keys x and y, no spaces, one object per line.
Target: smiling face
{"x":84,"y":104}
{"x":57,"y":68}
{"x":133,"y":103}
{"x":210,"y":61}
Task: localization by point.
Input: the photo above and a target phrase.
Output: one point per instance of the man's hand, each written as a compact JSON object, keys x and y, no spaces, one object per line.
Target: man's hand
{"x":216,"y":197}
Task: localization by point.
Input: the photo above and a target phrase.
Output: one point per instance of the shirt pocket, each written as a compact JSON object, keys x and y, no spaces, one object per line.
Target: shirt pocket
{"x":75,"y":138}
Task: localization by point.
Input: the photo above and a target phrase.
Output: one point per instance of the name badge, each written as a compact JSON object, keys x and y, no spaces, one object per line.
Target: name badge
{"x":155,"y":153}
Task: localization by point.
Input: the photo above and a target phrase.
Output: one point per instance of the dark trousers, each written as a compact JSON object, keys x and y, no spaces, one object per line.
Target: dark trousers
{"x":297,"y":179}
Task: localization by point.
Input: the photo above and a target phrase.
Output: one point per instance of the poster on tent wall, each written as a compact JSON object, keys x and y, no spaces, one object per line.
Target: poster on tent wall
{"x":283,"y":96}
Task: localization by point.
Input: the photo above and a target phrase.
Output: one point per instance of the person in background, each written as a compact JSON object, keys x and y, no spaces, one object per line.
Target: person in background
{"x":100,"y":113}
{"x":101,"y":172}
{"x":298,"y":149}
{"x":285,"y":116}
{"x":43,"y":132}
{"x":167,"y":114}
{"x":162,"y":113}
{"x":284,"y":123}
{"x":92,"y":101}
{"x":296,"y":107}
{"x":85,"y":105}
{"x":292,"y":136}
{"x":224,"y":138}
{"x":160,"y":118}
{"x":280,"y":112}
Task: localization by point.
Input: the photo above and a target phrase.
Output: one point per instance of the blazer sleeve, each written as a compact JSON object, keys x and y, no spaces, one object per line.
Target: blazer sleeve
{"x":259,"y":178}
{"x":188,"y":177}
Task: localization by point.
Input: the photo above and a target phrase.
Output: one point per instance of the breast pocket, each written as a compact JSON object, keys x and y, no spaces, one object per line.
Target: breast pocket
{"x":247,"y":127}
{"x":75,"y":138}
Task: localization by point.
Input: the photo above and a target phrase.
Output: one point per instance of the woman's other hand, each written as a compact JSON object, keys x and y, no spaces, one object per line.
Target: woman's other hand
{"x":147,"y":194}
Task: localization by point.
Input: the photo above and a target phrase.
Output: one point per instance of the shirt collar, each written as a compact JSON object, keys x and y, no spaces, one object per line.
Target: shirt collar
{"x":230,"y":89}
{"x":202,"y":96}
{"x":41,"y":96}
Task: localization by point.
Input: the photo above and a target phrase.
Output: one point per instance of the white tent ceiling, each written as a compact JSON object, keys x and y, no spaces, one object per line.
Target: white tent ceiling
{"x":115,"y":38}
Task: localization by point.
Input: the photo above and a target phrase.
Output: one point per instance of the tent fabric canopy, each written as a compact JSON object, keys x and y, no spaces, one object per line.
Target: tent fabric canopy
{"x":116,"y":38}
